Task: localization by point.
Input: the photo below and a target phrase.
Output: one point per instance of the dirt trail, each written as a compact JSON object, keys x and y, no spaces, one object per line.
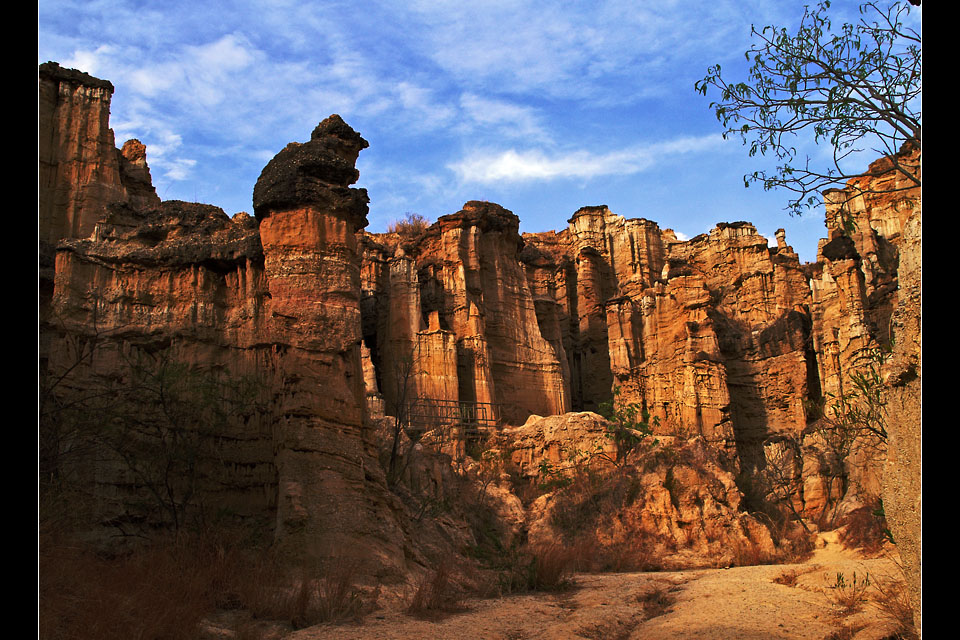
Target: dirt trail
{"x":740,"y":603}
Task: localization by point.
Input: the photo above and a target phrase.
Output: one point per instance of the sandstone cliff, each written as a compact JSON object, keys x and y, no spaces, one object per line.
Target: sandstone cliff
{"x":80,"y":168}
{"x":461,"y":291}
{"x":731,"y":346}
{"x":267,"y":306}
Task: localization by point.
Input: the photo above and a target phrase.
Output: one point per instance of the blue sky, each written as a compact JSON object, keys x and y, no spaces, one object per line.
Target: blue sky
{"x":542,"y":107}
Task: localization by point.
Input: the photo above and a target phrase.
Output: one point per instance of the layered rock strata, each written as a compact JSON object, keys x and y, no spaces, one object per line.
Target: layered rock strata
{"x":721,"y":338}
{"x":80,"y":168}
{"x":459,"y":291}
{"x":711,"y":336}
{"x":270,"y":303}
{"x":308,"y":218}
{"x":147,"y":295}
{"x":672,"y":504}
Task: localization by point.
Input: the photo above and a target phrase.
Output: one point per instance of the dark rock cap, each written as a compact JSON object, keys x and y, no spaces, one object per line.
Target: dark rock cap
{"x":54,"y":72}
{"x":317,"y":173}
{"x":840,"y":248}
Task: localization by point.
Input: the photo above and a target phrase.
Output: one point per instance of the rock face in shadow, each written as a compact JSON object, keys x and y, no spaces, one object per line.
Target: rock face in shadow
{"x":902,"y":473}
{"x":710,"y":336}
{"x":325,"y":462}
{"x":883,"y":301}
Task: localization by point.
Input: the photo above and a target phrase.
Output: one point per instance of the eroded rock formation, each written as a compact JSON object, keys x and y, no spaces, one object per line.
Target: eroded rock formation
{"x":270,"y":305}
{"x":80,"y":168}
{"x":459,"y":290}
{"x":726,"y":342}
{"x":721,"y":337}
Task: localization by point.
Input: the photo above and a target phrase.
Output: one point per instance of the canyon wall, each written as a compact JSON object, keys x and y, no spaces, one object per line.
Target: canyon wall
{"x":154,"y":304}
{"x":722,"y":336}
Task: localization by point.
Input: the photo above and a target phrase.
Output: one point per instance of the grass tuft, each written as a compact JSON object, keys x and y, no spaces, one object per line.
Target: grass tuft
{"x":436,"y":593}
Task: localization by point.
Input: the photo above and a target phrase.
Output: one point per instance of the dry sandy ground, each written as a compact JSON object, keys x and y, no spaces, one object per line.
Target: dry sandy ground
{"x":742,"y":603}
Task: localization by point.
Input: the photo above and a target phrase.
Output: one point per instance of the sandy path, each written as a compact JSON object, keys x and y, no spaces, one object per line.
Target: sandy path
{"x":737,"y":603}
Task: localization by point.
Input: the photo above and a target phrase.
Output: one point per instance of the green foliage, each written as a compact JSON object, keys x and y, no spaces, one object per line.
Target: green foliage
{"x":553,"y":478}
{"x":626,"y":431}
{"x":856,"y":416}
{"x":848,"y":86}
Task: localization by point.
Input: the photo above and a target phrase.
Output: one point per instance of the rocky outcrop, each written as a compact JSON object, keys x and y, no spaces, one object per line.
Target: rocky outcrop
{"x":711,"y":336}
{"x":80,"y":168}
{"x":721,"y":337}
{"x":148,"y":297}
{"x":80,"y":171}
{"x":903,"y":478}
{"x":727,"y":343}
{"x":869,"y":311}
{"x":670,"y":504}
{"x":325,"y":460}
{"x":459,"y":289}
{"x":272,"y":303}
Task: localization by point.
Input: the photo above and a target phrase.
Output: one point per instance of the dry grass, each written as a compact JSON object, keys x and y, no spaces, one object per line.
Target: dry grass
{"x":547,"y":567}
{"x":748,"y":553}
{"x":894,"y":606}
{"x":850,"y":594}
{"x":552,"y":567}
{"x":163,"y":591}
{"x":436,"y":593}
{"x":789,"y":578}
{"x":412,"y":224}
{"x":865,"y":529}
{"x":325,"y":596}
{"x":655,"y":602}
{"x":633,"y":555}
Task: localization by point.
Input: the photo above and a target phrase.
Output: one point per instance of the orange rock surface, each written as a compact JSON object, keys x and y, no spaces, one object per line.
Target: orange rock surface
{"x":722,"y":338}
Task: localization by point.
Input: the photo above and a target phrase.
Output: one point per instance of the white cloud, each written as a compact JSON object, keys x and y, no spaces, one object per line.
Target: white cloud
{"x":509,"y":119}
{"x":203,"y":75}
{"x":88,"y":61}
{"x":420,"y":101}
{"x":487,"y":167}
{"x":178,"y":169}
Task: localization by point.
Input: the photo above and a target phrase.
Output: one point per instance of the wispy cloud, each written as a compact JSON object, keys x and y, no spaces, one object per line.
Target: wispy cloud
{"x":485,"y":167}
{"x":508,"y":119}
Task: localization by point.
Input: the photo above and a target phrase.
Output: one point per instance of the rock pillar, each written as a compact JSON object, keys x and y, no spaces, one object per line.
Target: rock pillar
{"x":308,"y":219}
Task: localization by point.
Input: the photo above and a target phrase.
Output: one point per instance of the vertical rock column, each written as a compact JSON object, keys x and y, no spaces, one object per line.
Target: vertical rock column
{"x":308,"y":217}
{"x":502,"y":356}
{"x":79,"y":167}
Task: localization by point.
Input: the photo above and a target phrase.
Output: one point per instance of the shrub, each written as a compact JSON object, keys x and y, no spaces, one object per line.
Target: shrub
{"x":655,"y":602}
{"x":850,"y":595}
{"x":436,"y":592}
{"x":629,"y":426}
{"x":894,"y":605}
{"x":158,"y":420}
{"x":551,"y":567}
{"x":411,"y":224}
{"x":866,"y":528}
{"x":165,"y":589}
{"x":161,"y":591}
